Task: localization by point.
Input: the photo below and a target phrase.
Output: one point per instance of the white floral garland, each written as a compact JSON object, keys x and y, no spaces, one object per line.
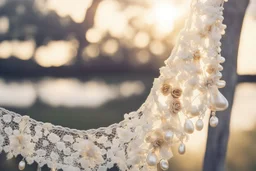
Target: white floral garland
{"x":188,"y":85}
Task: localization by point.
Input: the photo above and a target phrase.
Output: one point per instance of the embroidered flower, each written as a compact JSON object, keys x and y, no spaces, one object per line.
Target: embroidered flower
{"x":158,"y":145}
{"x":175,"y":106}
{"x":67,"y":151}
{"x":17,"y":119}
{"x":7,"y":118}
{"x":60,"y":146}
{"x":41,"y":153}
{"x":166,"y":89}
{"x":54,"y":156}
{"x":8,"y":130}
{"x":68,"y":138}
{"x":45,"y":143}
{"x":90,"y":154}
{"x":21,"y":143}
{"x":176,"y":92}
{"x":125,"y":135}
{"x":53,"y":138}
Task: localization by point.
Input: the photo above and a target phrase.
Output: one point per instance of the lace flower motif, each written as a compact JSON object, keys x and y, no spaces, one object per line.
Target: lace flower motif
{"x":90,"y":154}
{"x":20,"y":143}
{"x":158,"y":145}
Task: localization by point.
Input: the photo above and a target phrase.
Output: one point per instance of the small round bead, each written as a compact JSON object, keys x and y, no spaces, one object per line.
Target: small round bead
{"x":168,"y":136}
{"x":189,"y":126}
{"x":164,"y":164}
{"x":152,"y":159}
{"x":199,"y":124}
{"x":182,"y":149}
{"x":214,"y":121}
{"x":22,"y":165}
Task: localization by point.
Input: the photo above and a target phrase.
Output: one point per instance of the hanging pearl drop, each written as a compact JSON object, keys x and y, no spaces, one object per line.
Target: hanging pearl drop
{"x":22,"y":165}
{"x":152,"y":159}
{"x":194,"y":111}
{"x":168,"y":136}
{"x":53,"y":169}
{"x":164,"y":164}
{"x":218,"y":102}
{"x":182,"y":149}
{"x":221,"y":84}
{"x":189,"y":126}
{"x":199,"y":124}
{"x":214,"y":121}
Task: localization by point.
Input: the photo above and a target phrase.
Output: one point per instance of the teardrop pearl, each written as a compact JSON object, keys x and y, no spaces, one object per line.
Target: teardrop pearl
{"x":22,"y":165}
{"x":182,"y":149}
{"x":199,"y":124}
{"x":221,"y":84}
{"x":194,"y":111}
{"x":152,"y":159}
{"x":214,"y":121}
{"x":218,"y":102}
{"x":168,"y":136}
{"x":53,"y":169}
{"x":164,"y":164}
{"x":189,"y":126}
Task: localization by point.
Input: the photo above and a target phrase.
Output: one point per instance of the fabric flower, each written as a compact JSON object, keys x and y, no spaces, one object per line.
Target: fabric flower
{"x":158,"y":145}
{"x":176,"y":92}
{"x":175,"y":106}
{"x":21,"y":143}
{"x":166,"y":89}
{"x":8,"y":130}
{"x":90,"y":154}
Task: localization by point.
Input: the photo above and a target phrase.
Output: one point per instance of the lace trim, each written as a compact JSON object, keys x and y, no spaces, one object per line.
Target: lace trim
{"x":188,"y":85}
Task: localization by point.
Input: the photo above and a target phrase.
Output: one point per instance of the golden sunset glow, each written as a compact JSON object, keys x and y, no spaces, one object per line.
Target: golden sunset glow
{"x":55,"y":53}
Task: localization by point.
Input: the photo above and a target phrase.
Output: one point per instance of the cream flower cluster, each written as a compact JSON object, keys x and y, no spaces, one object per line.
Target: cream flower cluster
{"x":188,"y":87}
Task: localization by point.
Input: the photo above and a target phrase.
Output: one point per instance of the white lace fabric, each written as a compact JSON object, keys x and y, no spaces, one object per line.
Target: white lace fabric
{"x":127,"y":144}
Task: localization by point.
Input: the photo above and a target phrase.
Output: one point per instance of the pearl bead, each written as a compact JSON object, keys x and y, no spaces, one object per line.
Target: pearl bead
{"x":22,"y":165}
{"x":219,"y":75}
{"x":164,"y":164}
{"x":152,"y":159}
{"x":168,"y":136}
{"x":53,"y":169}
{"x":214,"y":121}
{"x":220,"y":67}
{"x":194,"y":111}
{"x":189,"y":126}
{"x":182,"y":149}
{"x":218,"y":102}
{"x":221,"y":84}
{"x":199,"y":124}
{"x":221,"y":59}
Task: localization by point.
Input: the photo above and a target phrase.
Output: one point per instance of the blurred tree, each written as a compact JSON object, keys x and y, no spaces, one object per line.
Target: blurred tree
{"x":218,"y":137}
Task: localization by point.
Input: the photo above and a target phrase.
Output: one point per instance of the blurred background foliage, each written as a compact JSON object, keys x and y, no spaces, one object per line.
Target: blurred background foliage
{"x":84,"y":63}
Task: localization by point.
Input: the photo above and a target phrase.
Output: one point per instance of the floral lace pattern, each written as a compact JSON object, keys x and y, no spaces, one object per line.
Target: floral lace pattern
{"x":144,"y":138}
